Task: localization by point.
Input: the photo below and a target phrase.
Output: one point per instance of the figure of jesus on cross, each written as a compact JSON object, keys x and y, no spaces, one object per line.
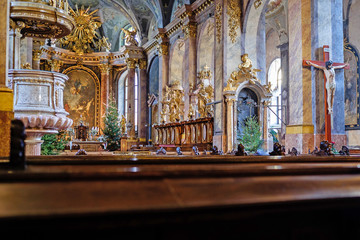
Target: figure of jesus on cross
{"x":330,"y":85}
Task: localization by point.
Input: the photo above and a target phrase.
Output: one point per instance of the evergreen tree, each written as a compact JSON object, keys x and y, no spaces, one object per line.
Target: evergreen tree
{"x":112,"y":131}
{"x":251,"y":138}
{"x":53,"y":143}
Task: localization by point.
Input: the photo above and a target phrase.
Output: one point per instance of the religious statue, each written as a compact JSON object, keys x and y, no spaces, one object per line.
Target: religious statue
{"x":329,"y":71}
{"x":123,"y":124}
{"x":246,"y":72}
{"x":130,"y":37}
{"x":247,"y":68}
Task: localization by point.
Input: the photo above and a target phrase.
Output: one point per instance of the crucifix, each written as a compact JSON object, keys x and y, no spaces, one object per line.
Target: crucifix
{"x":329,"y":84}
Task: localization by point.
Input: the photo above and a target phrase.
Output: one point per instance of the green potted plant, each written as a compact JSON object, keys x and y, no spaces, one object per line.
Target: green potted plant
{"x":252,"y":135}
{"x":112,"y":131}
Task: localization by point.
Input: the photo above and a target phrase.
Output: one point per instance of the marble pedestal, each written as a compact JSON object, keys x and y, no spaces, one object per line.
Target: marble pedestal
{"x":38,"y":102}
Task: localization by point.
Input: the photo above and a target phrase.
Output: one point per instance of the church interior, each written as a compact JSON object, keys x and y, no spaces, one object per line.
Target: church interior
{"x":180,"y":119}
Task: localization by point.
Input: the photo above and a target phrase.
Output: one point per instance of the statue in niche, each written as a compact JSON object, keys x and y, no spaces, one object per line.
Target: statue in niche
{"x":130,"y":37}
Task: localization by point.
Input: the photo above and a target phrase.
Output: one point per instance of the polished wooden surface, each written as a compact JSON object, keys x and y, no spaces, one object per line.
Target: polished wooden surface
{"x":135,"y":191}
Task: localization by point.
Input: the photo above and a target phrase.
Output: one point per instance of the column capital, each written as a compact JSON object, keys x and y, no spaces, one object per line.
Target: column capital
{"x":36,"y":55}
{"x":131,"y":62}
{"x":55,"y":65}
{"x":104,"y":68}
{"x":142,"y":64}
{"x":163,"y":48}
{"x":190,"y":30}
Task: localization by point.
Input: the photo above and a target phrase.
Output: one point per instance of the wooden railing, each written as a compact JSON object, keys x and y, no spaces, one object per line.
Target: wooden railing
{"x":185,"y":133}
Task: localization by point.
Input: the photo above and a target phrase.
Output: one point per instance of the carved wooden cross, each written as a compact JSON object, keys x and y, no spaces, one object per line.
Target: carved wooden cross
{"x":326,"y":54}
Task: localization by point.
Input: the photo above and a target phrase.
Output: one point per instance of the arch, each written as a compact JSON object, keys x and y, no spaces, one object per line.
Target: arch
{"x":153,"y":71}
{"x":121,"y":91}
{"x":205,"y":46}
{"x":72,"y":89}
{"x":254,"y":28}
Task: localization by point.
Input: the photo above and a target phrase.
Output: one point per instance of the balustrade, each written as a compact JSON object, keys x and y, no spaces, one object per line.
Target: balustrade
{"x":185,"y":133}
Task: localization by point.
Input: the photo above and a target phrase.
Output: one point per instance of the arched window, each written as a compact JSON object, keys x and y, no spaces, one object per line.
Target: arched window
{"x":275,"y":77}
{"x":123,"y":96}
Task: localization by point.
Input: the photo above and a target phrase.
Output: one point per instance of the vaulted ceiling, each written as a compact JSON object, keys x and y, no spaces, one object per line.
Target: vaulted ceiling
{"x":140,"y":14}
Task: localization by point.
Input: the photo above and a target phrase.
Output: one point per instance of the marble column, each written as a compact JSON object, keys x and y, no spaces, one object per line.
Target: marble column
{"x":26,"y":53}
{"x":300,"y":130}
{"x":190,"y":74}
{"x":131,"y":64}
{"x":219,"y":123}
{"x":6,"y":94}
{"x":163,"y":50}
{"x":104,"y":91}
{"x":14,"y":44}
{"x":284,"y":55}
{"x":143,"y":109}
{"x":36,"y":54}
{"x":230,"y":99}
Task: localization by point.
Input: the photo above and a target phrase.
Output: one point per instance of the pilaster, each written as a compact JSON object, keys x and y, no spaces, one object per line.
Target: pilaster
{"x":143,"y":108}
{"x":190,"y":35}
{"x":6,"y":94}
{"x":163,"y":51}
{"x":104,"y":90}
{"x":300,"y":131}
{"x":131,"y":64}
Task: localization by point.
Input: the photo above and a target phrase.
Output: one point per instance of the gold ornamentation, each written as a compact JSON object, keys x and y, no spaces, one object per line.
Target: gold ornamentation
{"x":268,"y":87}
{"x":103,"y":44}
{"x":130,"y":37}
{"x":246,"y":73}
{"x":26,"y":66}
{"x":218,"y":21}
{"x":173,"y":103}
{"x":142,"y":64}
{"x":163,"y":48}
{"x":42,"y":21}
{"x":257,"y":3}
{"x":234,"y":14}
{"x":55,"y":65}
{"x":191,"y":114}
{"x":205,"y":74}
{"x":36,"y":55}
{"x":84,"y":34}
{"x":131,"y":62}
{"x":123,"y":124}
{"x":104,"y":68}
{"x":190,"y":30}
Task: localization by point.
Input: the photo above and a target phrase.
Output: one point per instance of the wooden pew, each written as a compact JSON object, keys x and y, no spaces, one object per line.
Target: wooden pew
{"x":207,"y":197}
